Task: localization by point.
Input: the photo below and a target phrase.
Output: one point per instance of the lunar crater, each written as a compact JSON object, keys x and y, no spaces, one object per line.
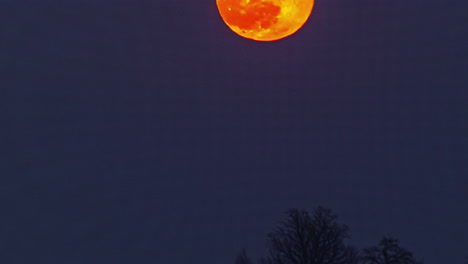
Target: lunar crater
{"x":265,"y":20}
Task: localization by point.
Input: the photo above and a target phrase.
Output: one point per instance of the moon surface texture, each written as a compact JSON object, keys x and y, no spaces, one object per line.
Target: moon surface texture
{"x":265,"y":20}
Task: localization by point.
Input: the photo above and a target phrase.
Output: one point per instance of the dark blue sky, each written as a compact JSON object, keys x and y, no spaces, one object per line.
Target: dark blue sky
{"x":148,"y":132}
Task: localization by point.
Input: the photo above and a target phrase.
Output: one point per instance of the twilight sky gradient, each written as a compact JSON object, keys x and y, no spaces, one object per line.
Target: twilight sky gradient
{"x":137,"y":131}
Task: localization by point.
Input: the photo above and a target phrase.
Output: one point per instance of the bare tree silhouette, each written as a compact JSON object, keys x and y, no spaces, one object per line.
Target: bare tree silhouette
{"x":305,"y":239}
{"x":242,"y":258}
{"x":388,"y":251}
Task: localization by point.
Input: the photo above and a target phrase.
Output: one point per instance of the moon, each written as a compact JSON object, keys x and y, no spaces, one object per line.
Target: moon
{"x":265,"y":20}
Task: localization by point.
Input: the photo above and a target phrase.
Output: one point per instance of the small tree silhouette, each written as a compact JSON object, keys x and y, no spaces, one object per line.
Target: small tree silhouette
{"x":306,"y":239}
{"x":388,"y":252}
{"x":242,"y":258}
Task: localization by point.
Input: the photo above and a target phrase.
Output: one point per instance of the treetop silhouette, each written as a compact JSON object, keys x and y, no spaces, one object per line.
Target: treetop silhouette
{"x":318,"y":238}
{"x":388,"y":251}
{"x":310,"y":239}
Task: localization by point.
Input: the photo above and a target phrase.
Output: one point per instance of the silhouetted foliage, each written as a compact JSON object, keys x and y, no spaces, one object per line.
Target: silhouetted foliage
{"x":305,"y":239}
{"x":388,"y":251}
{"x":242,"y":258}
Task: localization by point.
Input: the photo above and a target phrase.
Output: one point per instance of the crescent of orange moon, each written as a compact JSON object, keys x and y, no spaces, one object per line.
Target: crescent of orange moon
{"x":265,"y":20}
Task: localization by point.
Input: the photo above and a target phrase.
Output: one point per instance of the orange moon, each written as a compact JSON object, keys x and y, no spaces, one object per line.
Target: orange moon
{"x":265,"y":20}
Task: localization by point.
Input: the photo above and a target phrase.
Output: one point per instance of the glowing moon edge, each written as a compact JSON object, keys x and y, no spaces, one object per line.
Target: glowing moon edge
{"x":265,"y":20}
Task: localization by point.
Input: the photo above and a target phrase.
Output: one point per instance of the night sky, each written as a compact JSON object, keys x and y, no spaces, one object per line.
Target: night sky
{"x":137,"y":131}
